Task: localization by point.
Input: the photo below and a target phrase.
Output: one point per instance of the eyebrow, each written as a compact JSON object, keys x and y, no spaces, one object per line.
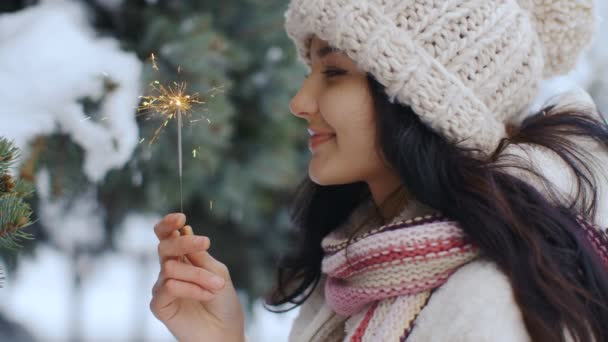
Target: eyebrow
{"x":322,"y":52}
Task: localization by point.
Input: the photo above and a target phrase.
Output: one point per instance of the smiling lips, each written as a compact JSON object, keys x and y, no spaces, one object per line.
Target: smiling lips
{"x":318,"y":139}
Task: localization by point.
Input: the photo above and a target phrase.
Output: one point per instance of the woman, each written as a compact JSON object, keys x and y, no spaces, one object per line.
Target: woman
{"x":435,"y":209}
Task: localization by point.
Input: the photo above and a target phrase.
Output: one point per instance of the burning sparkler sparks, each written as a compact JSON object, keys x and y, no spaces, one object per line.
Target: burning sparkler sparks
{"x":171,"y":102}
{"x":154,"y":65}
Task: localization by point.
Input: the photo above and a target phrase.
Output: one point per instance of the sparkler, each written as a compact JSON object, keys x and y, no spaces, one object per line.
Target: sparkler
{"x":171,"y":102}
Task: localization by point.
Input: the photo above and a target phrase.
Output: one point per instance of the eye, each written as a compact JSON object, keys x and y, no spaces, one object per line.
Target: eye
{"x":330,"y":72}
{"x":333,"y":72}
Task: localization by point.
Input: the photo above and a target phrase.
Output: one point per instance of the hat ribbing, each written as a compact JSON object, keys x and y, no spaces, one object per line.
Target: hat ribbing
{"x":466,"y":67}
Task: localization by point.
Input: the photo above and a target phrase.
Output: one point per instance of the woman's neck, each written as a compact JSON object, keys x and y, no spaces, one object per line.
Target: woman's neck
{"x":388,"y":194}
{"x":393,"y":204}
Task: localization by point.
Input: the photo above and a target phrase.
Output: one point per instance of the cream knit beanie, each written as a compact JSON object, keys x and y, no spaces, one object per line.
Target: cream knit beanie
{"x":466,"y":67}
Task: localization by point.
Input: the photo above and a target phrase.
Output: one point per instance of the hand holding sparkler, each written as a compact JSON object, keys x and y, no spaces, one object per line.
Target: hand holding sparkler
{"x":193,"y":295}
{"x":185,"y":296}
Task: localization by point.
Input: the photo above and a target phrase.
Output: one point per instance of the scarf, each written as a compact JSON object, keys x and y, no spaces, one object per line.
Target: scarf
{"x":390,"y":273}
{"x":597,"y":237}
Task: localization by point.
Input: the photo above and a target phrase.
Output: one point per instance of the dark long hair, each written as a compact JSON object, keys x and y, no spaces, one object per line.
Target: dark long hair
{"x":558,"y":280}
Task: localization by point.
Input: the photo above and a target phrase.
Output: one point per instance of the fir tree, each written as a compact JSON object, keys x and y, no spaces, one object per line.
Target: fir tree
{"x":14,"y":211}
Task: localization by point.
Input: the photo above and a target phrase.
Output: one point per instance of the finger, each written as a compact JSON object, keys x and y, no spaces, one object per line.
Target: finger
{"x":205,"y":260}
{"x":186,"y":230}
{"x":173,"y":289}
{"x":157,"y":285}
{"x":168,"y":224}
{"x":180,"y":245}
{"x":161,"y":260}
{"x":192,"y":274}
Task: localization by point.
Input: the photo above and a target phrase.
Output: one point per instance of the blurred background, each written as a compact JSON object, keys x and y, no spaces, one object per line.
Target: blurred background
{"x":71,"y":73}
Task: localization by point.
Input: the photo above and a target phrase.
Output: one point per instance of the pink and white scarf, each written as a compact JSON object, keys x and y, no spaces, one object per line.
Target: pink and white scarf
{"x":391,"y":272}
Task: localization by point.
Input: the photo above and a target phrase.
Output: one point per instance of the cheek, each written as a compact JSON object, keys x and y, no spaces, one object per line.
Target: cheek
{"x":352,"y":156}
{"x":348,"y":110}
{"x":358,"y":148}
{"x":356,"y":130}
{"x":356,"y":145}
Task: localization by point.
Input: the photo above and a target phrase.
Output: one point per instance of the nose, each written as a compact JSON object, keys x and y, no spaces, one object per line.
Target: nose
{"x":304,"y":103}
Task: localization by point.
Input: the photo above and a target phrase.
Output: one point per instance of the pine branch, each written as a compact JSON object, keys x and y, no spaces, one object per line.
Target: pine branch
{"x":8,"y":155}
{"x":14,"y":211}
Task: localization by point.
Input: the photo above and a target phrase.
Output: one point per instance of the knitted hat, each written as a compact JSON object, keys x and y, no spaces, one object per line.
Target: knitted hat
{"x":466,"y":67}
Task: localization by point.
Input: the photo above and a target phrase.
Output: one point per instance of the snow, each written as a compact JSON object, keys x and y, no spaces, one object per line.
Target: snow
{"x":72,"y":225}
{"x":267,"y":326}
{"x":49,"y":59}
{"x":38,"y":293}
{"x":136,"y":234}
{"x":274,"y":54}
{"x":41,"y":296}
{"x":113,"y":304}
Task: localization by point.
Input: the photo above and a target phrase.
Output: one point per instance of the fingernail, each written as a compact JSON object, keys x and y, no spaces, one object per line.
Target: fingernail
{"x":201,"y":240}
{"x":217,"y":282}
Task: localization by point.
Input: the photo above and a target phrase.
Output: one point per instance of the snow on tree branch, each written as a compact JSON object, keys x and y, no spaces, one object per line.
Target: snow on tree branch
{"x":51,"y":61}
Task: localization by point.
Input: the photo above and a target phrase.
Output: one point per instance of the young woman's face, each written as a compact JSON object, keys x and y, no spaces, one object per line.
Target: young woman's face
{"x":336,"y":102}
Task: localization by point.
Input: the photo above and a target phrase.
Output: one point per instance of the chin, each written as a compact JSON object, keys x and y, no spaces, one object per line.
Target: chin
{"x":321,"y":181}
{"x":319,"y":178}
{"x":326,"y":178}
{"x":316,"y":178}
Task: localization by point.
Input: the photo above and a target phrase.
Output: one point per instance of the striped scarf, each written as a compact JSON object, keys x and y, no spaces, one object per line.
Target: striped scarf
{"x":597,"y":237}
{"x":391,"y":272}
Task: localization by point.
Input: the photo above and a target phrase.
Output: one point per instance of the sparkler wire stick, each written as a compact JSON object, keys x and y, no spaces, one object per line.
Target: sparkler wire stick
{"x":179,"y":157}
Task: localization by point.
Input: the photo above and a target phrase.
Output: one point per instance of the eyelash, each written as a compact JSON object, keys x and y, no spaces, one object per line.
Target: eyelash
{"x":331,"y":72}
